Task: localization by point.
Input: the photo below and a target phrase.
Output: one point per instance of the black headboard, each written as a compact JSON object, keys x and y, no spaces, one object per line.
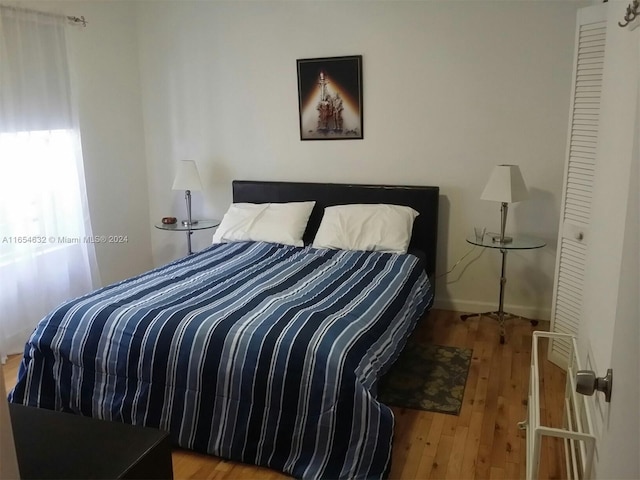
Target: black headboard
{"x":423,"y":199}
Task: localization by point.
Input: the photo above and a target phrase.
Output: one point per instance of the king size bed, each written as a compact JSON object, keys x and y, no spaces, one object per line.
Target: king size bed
{"x":254,"y":351}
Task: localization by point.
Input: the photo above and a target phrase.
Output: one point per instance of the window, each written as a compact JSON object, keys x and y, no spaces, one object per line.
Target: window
{"x":44,"y":216}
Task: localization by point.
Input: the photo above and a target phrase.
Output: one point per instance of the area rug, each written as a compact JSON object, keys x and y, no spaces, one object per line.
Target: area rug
{"x":427,"y":377}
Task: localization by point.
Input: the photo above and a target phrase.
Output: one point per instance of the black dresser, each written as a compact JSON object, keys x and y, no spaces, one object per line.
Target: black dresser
{"x":60,"y":445}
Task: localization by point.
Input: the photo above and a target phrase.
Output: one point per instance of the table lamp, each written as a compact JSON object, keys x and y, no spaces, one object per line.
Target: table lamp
{"x":505,"y":185}
{"x":187,"y":179}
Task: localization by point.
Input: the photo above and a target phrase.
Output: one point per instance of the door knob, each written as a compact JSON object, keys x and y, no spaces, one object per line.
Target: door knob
{"x":587,"y":383}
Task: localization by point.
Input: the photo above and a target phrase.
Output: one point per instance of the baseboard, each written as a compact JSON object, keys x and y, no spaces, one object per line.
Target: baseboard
{"x":536,"y":313}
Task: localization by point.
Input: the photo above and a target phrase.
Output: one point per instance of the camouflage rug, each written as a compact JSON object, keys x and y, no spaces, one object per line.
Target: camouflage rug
{"x":427,"y":377}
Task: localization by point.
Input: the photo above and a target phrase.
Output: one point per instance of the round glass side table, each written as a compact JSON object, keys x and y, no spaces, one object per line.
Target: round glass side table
{"x":517,"y":243}
{"x":189,"y":229}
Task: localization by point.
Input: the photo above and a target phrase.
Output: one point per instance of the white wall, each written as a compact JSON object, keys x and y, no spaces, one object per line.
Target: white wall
{"x":107,"y":83}
{"x":450,"y":90}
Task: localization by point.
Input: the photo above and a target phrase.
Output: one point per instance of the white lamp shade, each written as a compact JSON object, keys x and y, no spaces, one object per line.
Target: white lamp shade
{"x":505,"y":185}
{"x":187,"y":176}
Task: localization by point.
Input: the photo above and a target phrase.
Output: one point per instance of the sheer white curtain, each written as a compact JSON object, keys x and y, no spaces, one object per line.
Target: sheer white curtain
{"x":46,"y":254}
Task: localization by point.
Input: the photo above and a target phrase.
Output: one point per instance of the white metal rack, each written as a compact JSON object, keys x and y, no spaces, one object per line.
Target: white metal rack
{"x":577,"y":427}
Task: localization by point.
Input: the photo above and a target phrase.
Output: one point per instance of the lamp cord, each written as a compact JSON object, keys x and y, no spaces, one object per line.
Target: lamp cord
{"x":460,"y":260}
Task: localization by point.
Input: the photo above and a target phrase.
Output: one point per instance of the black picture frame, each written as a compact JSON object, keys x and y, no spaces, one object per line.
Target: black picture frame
{"x":330,"y":98}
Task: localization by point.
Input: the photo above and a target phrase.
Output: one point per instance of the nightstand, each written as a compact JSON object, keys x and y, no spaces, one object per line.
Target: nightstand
{"x":51,"y":444}
{"x":517,"y":243}
{"x":189,"y":229}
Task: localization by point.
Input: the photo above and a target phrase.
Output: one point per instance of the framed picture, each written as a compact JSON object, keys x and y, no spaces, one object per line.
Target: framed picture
{"x":330,"y":98}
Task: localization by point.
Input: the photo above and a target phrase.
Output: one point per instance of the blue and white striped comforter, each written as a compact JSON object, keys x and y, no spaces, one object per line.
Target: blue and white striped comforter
{"x":256,"y":352}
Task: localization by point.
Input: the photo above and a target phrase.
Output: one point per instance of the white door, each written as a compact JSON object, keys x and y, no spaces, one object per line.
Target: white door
{"x":580,"y":166}
{"x":618,"y":446}
{"x":609,"y":334}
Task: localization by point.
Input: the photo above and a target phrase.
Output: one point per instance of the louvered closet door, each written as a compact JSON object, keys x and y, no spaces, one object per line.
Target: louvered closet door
{"x":575,"y":216}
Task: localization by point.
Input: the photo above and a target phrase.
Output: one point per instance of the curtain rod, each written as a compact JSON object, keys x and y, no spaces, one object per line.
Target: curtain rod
{"x":73,"y":19}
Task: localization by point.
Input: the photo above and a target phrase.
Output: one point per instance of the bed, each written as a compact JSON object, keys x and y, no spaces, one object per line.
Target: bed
{"x":257,"y":352}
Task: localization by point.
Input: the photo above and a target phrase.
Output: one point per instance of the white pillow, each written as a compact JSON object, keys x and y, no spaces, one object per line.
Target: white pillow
{"x":265,"y":222}
{"x":375,"y":227}
{"x":237,"y":222}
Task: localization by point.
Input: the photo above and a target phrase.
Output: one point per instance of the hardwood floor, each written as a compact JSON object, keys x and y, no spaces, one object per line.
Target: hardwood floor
{"x":482,"y":442}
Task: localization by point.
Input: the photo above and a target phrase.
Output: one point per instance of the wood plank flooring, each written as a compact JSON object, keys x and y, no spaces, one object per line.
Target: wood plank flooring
{"x":483,"y":442}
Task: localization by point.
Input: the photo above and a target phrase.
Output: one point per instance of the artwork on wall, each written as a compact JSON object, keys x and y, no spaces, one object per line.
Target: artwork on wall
{"x":330,"y":98}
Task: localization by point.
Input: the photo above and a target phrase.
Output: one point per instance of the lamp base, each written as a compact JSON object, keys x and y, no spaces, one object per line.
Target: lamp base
{"x":186,"y":223}
{"x":495,"y":237}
